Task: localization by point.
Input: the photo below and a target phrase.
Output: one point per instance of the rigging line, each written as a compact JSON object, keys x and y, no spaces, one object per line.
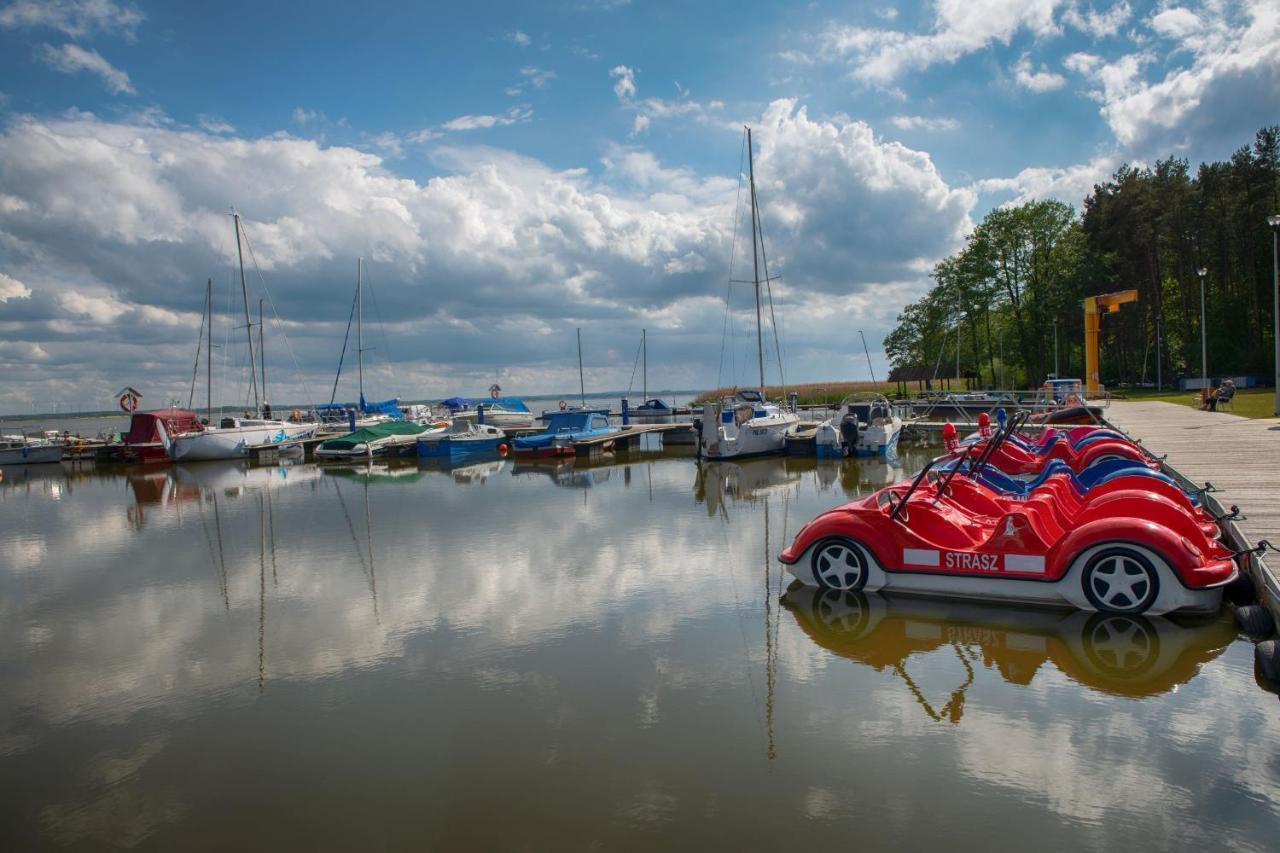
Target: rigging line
{"x":634,"y":365}
{"x":733,"y":251}
{"x":275,"y":315}
{"x":195,"y":369}
{"x":345,"y":339}
{"x":768,"y":284}
{"x":351,"y":526}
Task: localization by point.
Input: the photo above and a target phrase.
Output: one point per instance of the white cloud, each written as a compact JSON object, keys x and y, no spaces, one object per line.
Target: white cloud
{"x":640,"y":125}
{"x":625,"y":87}
{"x":960,"y":27}
{"x":1038,"y":81}
{"x":515,"y":115}
{"x":72,"y":59}
{"x":304,"y":116}
{"x":538,"y":77}
{"x":213,"y":124}
{"x":1082,"y":63}
{"x":935,"y":124}
{"x":75,"y":18}
{"x":517,"y":37}
{"x":11,"y":288}
{"x":1070,"y":184}
{"x":109,"y":223}
{"x":1098,"y":24}
{"x":1176,"y":22}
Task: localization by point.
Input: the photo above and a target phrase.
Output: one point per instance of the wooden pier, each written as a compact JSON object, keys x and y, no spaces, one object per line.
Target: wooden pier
{"x":628,"y":437}
{"x":1240,"y":456}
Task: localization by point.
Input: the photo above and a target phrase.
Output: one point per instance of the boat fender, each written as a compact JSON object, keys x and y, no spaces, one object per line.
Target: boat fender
{"x":563,"y":405}
{"x":984,"y":425}
{"x":129,"y":402}
{"x":503,"y":450}
{"x":949,"y":436}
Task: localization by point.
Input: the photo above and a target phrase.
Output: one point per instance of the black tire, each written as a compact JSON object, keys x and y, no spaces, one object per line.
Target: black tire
{"x":841,"y":613}
{"x":1255,"y":620}
{"x":1266,"y":656}
{"x":840,"y":563}
{"x":1241,"y":591}
{"x":1120,"y":579}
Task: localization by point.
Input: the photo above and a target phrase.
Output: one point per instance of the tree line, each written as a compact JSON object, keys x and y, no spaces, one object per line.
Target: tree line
{"x":1026,"y":268}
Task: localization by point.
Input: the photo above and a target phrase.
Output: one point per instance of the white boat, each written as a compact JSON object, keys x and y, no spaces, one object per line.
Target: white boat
{"x":462,"y":440}
{"x":17,"y":450}
{"x":234,"y":438}
{"x":861,"y":427}
{"x":744,"y":425}
{"x":502,"y":412}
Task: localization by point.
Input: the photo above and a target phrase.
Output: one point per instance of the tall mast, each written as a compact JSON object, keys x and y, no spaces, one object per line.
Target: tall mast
{"x":755,"y":256}
{"x":262,"y":350}
{"x":360,"y":325}
{"x":195,"y":368}
{"x":248,"y":324}
{"x":208,"y":359}
{"x":582,"y":385}
{"x":644,"y":371}
{"x":870,"y":369}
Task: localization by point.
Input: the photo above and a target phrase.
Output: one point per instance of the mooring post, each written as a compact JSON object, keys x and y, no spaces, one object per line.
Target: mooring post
{"x":480,"y":413}
{"x":626,"y":412}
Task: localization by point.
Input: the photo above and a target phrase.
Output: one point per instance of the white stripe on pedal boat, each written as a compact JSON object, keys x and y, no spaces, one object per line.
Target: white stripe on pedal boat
{"x":1024,"y":563}
{"x":920,"y":557}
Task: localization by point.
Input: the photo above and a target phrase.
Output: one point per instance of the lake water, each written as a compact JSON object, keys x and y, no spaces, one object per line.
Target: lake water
{"x":573,"y":657}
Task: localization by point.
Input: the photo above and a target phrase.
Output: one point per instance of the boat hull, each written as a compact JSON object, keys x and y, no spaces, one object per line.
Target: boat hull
{"x":458,"y":449}
{"x":234,"y":442}
{"x":46,"y":454}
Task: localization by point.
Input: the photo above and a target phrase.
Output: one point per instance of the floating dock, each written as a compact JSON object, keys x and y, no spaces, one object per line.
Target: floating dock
{"x":1240,"y":456}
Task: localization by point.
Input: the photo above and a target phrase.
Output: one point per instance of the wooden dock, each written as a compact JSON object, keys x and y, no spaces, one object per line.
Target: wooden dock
{"x":628,"y":437}
{"x":1240,"y":456}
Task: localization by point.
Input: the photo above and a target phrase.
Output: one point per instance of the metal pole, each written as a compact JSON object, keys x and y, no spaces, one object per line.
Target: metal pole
{"x":755,"y":257}
{"x":248,"y":324}
{"x":1056,"y":374}
{"x":208,"y":359}
{"x":868,"y":354}
{"x":262,"y":351}
{"x":1159,"y":378}
{"x":582,"y":385}
{"x":1204,"y":347}
{"x":1274,"y":222}
{"x":360,"y":327}
{"x":644,"y":371}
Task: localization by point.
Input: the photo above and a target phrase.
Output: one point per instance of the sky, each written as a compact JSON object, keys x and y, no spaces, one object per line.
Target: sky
{"x":512,"y":171}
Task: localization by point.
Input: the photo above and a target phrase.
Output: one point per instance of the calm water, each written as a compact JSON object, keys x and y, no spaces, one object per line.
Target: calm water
{"x":571,"y":658}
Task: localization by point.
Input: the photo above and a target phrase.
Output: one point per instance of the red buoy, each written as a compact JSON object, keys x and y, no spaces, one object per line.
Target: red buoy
{"x":949,"y":436}
{"x":984,"y":425}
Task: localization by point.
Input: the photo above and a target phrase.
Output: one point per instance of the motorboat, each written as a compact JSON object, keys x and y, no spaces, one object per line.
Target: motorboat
{"x":144,"y":442}
{"x":744,"y":425}
{"x":652,"y":411}
{"x":382,"y":439}
{"x":563,"y":429}
{"x":19,"y":450}
{"x":502,"y":412}
{"x":862,"y":427}
{"x":464,"y":439}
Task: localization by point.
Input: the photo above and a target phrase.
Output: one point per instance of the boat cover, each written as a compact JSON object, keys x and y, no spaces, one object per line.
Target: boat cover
{"x":458,"y":404}
{"x":373,"y":433}
{"x":142,"y":426}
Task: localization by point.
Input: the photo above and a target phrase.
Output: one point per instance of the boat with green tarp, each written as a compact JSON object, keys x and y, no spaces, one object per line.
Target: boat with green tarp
{"x":381,"y":439}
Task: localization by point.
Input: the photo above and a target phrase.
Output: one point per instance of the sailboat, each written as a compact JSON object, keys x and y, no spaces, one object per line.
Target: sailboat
{"x":233,"y":437}
{"x":655,"y":410}
{"x":745,"y":424}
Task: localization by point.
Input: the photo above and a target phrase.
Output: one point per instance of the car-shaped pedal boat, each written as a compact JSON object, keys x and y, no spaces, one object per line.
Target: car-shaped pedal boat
{"x":1131,"y":552}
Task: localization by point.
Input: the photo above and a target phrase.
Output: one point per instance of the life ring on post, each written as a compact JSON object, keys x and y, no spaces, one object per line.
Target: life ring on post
{"x":129,"y":402}
{"x":494,"y":390}
{"x":563,"y":405}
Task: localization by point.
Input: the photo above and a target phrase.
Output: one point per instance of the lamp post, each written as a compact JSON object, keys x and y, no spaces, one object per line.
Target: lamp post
{"x":1056,"y":374}
{"x":1274,"y":222}
{"x":1204,"y":349}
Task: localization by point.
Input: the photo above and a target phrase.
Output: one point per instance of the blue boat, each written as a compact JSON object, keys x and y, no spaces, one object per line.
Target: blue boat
{"x":463,"y":440}
{"x":563,"y":429}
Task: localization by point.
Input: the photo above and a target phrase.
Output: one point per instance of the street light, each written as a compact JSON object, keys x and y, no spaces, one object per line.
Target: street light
{"x":1204,"y":350}
{"x":1274,"y":222}
{"x":1056,"y":374}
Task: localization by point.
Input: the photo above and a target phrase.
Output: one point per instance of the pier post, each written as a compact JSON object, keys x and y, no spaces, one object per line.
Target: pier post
{"x":480,"y":413}
{"x":626,"y":412}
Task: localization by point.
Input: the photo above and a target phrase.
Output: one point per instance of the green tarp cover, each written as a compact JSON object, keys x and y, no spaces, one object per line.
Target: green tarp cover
{"x":373,"y":433}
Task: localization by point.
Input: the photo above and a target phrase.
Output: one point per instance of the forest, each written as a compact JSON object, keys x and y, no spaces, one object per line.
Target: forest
{"x":1025,"y":269}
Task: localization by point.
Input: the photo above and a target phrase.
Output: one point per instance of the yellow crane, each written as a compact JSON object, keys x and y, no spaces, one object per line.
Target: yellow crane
{"x":1093,"y":307}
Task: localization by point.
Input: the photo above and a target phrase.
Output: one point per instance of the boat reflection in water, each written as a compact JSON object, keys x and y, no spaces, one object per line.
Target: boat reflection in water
{"x":1122,"y":655}
{"x":470,"y":473}
{"x":569,"y":474}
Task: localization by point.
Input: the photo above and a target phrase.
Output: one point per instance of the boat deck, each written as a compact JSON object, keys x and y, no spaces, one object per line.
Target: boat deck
{"x":1240,"y":456}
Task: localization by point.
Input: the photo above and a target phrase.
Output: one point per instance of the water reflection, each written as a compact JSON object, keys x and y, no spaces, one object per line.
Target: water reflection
{"x":402,"y":646}
{"x":1121,"y":655}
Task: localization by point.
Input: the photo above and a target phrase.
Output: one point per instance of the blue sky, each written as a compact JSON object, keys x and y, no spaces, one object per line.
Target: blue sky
{"x":514,"y":170}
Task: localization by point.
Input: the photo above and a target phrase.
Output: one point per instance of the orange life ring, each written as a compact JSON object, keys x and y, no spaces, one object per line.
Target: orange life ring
{"x":129,"y":402}
{"x":563,"y":405}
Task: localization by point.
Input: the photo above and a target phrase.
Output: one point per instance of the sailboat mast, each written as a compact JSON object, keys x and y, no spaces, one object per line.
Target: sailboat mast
{"x":644,"y":370}
{"x":360,"y":326}
{"x":755,"y":256}
{"x":582,"y":385}
{"x":208,"y":359}
{"x":248,"y":324}
{"x":262,"y":350}
{"x":870,"y":369}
